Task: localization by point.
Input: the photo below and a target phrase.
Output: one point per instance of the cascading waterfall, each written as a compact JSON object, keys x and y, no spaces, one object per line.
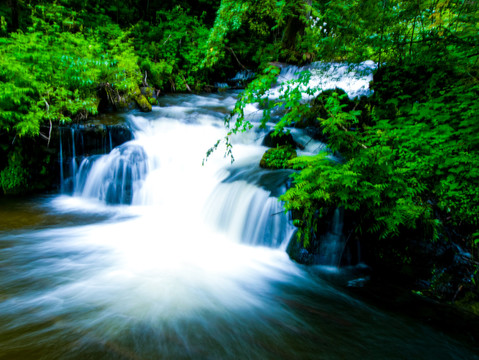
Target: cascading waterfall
{"x":354,"y":78}
{"x":161,"y":168}
{"x":145,"y":170}
{"x":112,"y":178}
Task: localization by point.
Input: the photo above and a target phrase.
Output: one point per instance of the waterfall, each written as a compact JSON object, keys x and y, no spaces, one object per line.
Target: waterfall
{"x":250,"y":215}
{"x":61,"y":161}
{"x":112,"y":178}
{"x":109,"y":138}
{"x":73,"y":168}
{"x":354,"y":78}
{"x":161,"y":166}
{"x":160,"y":169}
{"x":332,"y":243}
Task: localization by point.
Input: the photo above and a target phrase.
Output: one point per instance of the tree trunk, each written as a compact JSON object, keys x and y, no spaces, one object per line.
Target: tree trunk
{"x":13,"y":4}
{"x":294,"y":24}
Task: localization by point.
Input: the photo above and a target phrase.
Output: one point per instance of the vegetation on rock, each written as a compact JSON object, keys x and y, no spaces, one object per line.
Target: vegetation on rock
{"x":278,"y":158}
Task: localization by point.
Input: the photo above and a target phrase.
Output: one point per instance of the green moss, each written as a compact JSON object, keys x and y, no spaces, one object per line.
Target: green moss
{"x":141,"y":100}
{"x":143,"y":103}
{"x":277,"y":158}
{"x":470,"y":302}
{"x":136,"y":92}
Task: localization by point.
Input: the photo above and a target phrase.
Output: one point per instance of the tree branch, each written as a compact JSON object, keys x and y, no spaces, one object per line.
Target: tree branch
{"x":50,"y":130}
{"x":145,"y":83}
{"x":167,"y":39}
{"x":232,"y":51}
{"x":187,"y":86}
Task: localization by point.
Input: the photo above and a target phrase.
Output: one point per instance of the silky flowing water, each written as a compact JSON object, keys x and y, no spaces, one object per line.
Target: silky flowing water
{"x":154,"y":256}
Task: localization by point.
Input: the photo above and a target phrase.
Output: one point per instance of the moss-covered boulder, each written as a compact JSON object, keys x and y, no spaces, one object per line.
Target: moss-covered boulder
{"x":277,"y":158}
{"x":150,"y":94}
{"x":141,"y":101}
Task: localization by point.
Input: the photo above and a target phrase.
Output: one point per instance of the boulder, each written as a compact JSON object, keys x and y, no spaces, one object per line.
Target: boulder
{"x":273,"y":141}
{"x":277,"y":158}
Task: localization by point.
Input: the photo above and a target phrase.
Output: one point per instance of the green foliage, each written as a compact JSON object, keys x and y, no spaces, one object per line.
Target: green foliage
{"x":253,"y":33}
{"x":229,"y":18}
{"x":171,"y":49}
{"x":406,"y":172}
{"x":3,"y":25}
{"x":48,"y":73}
{"x":13,"y":178}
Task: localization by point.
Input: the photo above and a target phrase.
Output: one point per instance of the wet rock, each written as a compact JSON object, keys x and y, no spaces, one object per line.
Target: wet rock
{"x":273,"y":141}
{"x":331,"y":243}
{"x":148,"y":92}
{"x":299,"y":253}
{"x":141,"y":100}
{"x":276,"y":182}
{"x":90,"y":139}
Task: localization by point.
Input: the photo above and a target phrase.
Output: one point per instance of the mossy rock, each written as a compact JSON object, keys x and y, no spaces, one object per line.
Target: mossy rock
{"x":141,"y":100}
{"x":152,"y":101}
{"x":149,"y":92}
{"x":143,"y":103}
{"x":277,"y":158}
{"x":122,"y":104}
{"x":273,"y":141}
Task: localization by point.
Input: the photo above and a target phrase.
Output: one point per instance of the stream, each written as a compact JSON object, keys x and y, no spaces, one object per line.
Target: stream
{"x":153,"y":256}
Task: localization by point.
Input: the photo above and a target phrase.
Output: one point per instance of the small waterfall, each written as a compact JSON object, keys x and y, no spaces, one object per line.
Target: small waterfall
{"x":73,"y":166}
{"x":250,"y":215}
{"x":238,"y":81}
{"x":221,"y":85}
{"x":354,"y":78}
{"x":289,"y":72}
{"x":243,"y":75}
{"x":109,"y":138}
{"x":332,"y":243}
{"x":61,"y":162}
{"x":113,"y":178}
